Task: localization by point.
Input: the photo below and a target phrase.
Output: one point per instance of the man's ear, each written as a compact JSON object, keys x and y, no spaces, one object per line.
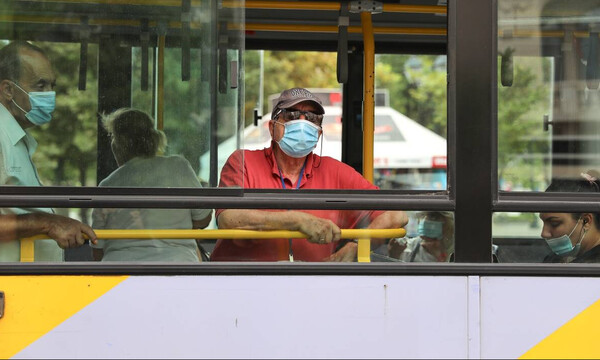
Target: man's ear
{"x":6,"y":90}
{"x":587,"y":219}
{"x":271,"y":124}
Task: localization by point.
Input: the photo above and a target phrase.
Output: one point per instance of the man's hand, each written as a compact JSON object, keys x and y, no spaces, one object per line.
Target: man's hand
{"x":396,"y":247}
{"x":67,"y":232}
{"x":387,"y":220}
{"x":318,"y":230}
{"x":345,"y":254}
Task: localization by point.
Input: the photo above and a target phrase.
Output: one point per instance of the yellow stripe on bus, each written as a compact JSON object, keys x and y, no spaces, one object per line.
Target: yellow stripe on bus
{"x":34,"y":305}
{"x":577,"y":339}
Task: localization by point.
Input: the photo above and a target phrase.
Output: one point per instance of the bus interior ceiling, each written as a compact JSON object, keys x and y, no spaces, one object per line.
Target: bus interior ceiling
{"x":291,"y":25}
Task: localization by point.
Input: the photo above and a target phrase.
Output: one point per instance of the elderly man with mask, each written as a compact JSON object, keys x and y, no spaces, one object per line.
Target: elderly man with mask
{"x":27,"y":98}
{"x":289,"y":163}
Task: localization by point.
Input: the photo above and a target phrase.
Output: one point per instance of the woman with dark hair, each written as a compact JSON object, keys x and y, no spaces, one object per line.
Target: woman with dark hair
{"x":573,"y":237}
{"x":136,"y":145}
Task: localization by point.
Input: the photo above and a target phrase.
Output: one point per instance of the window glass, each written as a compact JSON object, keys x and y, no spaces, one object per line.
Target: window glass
{"x":548,"y":98}
{"x":429,"y":238}
{"x":67,"y":146}
{"x":141,"y":234}
{"x":182,"y":99}
{"x":410,"y":111}
{"x":410,"y":122}
{"x":517,"y":237}
{"x":550,"y":237}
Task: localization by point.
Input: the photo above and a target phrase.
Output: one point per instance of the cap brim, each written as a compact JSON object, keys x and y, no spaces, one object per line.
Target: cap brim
{"x":290,"y":103}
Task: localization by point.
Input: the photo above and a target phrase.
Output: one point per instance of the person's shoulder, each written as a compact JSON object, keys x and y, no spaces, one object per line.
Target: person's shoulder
{"x":590,"y":256}
{"x":175,"y":164}
{"x":328,"y":160}
{"x":333,"y":165}
{"x":176,"y":159}
{"x":245,"y":154}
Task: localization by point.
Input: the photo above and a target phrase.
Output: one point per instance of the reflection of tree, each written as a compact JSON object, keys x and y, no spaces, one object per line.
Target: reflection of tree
{"x":187,"y":105}
{"x":422,"y":99}
{"x":519,"y":120}
{"x":418,"y":92}
{"x":284,"y":70}
{"x":66,"y":153}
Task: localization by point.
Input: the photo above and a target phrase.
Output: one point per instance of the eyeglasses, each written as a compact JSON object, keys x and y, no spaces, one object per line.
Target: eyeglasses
{"x":289,"y":115}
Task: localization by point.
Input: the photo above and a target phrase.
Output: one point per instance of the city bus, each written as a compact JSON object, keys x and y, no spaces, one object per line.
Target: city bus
{"x":515,"y":103}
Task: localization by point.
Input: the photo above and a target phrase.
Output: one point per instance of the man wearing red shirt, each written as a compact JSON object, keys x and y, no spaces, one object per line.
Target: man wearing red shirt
{"x":289,"y":163}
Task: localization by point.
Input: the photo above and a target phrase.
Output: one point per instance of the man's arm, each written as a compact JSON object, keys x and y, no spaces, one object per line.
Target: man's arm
{"x":386,"y":220}
{"x":199,"y":222}
{"x":318,"y":230}
{"x":65,"y":231}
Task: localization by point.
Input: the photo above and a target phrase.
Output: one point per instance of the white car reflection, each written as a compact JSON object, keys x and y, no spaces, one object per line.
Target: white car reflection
{"x":406,"y":154}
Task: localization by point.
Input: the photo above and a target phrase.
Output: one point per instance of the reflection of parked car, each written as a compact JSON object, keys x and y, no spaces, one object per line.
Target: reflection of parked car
{"x":406,"y":154}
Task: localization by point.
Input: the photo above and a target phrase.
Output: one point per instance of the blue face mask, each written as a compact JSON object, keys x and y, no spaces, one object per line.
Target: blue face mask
{"x":42,"y":106}
{"x":300,"y":138}
{"x":431,"y":229}
{"x":563,"y":245}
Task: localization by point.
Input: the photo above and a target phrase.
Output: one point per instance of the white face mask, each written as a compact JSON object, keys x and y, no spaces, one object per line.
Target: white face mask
{"x":563,"y":245}
{"x":42,"y":105}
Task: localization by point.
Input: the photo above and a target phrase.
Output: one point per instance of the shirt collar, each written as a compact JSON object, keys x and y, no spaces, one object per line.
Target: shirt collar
{"x":270,"y":155}
{"x":13,"y":130}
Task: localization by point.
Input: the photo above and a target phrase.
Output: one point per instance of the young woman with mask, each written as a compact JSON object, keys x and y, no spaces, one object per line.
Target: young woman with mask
{"x":435,"y":242}
{"x":573,"y":237}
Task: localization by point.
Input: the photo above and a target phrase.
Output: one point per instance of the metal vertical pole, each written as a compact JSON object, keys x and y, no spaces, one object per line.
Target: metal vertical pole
{"x":471,"y":49}
{"x":114,"y":91}
{"x":369,"y":95}
{"x":212,"y":84}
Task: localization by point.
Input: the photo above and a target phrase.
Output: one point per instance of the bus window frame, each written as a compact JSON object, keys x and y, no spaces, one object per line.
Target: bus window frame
{"x":472,"y":198}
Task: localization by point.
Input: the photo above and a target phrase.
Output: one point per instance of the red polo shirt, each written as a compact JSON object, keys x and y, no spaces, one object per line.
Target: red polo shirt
{"x":260,"y":172}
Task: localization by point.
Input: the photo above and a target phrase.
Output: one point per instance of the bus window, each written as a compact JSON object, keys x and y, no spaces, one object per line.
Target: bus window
{"x":409,"y":153}
{"x":166,"y":70}
{"x":548,"y":98}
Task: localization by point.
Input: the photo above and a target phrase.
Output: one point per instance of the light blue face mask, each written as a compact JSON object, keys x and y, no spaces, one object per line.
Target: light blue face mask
{"x":563,"y":245}
{"x":42,"y":106}
{"x":431,"y":229}
{"x":300,"y":138}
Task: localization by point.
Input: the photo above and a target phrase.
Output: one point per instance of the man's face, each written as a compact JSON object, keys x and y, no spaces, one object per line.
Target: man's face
{"x":36,"y":75}
{"x":277,"y":129}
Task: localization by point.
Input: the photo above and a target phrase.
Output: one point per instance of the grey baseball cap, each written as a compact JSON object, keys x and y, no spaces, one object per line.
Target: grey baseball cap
{"x":291,"y":97}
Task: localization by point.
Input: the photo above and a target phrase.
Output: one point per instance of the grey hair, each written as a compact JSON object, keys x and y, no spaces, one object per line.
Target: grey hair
{"x":134,"y":134}
{"x":10,"y":59}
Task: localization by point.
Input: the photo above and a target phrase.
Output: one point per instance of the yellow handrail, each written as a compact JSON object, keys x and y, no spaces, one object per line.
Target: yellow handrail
{"x":368,"y":95}
{"x":364,"y":244}
{"x":27,"y":251}
{"x":334,"y":29}
{"x":261,"y":4}
{"x":232,"y":234}
{"x":247,"y":26}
